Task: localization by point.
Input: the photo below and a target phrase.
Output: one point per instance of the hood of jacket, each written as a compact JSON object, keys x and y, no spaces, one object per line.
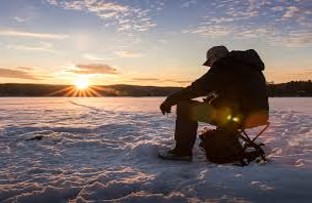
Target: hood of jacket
{"x":249,"y":57}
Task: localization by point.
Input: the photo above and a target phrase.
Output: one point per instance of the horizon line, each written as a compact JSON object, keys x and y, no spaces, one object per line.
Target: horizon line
{"x":268,"y":83}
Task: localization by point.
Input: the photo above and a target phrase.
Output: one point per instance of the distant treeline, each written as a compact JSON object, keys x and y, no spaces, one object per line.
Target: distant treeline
{"x":42,"y":90}
{"x":290,"y":89}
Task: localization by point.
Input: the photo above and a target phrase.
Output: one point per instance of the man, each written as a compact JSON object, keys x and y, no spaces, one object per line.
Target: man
{"x":237,"y":97}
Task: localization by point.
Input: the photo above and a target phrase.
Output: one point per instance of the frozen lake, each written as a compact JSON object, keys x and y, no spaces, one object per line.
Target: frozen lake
{"x":105,"y":149}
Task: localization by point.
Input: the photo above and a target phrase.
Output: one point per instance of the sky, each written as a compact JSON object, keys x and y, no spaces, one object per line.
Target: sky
{"x":148,"y":42}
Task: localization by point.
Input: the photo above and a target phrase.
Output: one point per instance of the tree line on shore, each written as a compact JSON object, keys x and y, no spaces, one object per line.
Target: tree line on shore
{"x":289,"y":89}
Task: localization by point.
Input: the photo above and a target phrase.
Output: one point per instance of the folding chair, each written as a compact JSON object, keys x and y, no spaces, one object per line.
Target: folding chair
{"x":245,"y":149}
{"x":249,"y":143}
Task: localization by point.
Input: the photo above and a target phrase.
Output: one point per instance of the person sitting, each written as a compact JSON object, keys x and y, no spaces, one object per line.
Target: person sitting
{"x":236,"y":96}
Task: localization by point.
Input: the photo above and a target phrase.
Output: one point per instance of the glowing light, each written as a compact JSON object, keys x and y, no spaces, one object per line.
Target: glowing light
{"x":82,"y":83}
{"x":235,"y":119}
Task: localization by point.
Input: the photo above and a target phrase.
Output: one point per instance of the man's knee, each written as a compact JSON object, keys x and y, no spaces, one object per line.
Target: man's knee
{"x":195,"y":111}
{"x":185,"y":108}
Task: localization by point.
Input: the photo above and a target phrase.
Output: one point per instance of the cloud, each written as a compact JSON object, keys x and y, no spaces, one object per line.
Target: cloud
{"x":296,"y":38}
{"x":93,"y":69}
{"x":40,"y":47}
{"x":162,"y":81}
{"x":305,"y":74}
{"x":278,"y":8}
{"x":286,"y":23}
{"x":212,"y":31}
{"x":22,"y":73}
{"x":291,"y":11}
{"x":19,"y":33}
{"x":255,"y":33}
{"x":112,"y":13}
{"x":128,"y":54}
{"x":145,"y":79}
{"x":24,"y":68}
{"x":162,"y":41}
{"x":180,"y":81}
{"x":92,"y":57}
{"x":188,"y":3}
{"x":19,"y":19}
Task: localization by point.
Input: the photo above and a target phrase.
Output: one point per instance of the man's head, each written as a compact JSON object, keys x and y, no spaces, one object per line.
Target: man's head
{"x":214,"y":54}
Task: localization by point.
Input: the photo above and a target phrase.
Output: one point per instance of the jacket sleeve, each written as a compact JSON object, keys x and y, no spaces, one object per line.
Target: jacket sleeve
{"x":200,"y":87}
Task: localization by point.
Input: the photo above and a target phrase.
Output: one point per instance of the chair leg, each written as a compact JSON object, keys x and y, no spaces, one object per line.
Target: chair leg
{"x":257,"y":148}
{"x":262,"y":131}
{"x":243,"y":135}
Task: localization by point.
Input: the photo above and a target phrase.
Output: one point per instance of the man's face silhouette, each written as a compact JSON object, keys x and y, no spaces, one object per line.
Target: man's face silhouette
{"x":211,"y":58}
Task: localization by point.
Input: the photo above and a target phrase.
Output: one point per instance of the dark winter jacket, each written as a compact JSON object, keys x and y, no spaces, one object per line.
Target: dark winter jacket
{"x":238,"y":81}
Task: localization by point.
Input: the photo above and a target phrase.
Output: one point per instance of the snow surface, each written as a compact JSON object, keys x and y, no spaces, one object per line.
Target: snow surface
{"x":105,"y":149}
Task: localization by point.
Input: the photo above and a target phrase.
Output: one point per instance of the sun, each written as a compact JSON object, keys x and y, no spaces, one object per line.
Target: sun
{"x":82,"y":83}
{"x":82,"y":87}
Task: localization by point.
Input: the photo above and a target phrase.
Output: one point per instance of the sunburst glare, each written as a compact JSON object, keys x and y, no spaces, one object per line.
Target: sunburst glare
{"x":82,"y":88}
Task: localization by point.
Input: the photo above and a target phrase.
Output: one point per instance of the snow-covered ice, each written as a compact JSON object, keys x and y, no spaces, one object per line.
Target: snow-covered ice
{"x":105,"y":149}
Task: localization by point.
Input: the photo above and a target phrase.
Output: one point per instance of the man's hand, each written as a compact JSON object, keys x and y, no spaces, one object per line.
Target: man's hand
{"x":165,"y":107}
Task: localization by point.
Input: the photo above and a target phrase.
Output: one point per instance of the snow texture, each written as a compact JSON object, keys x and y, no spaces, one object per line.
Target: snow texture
{"x":105,"y":150}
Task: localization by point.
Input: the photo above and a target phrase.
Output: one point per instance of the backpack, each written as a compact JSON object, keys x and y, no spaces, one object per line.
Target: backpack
{"x":222,"y":146}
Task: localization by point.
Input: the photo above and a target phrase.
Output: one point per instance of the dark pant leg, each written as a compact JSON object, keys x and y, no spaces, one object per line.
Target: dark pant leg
{"x":188,"y":115}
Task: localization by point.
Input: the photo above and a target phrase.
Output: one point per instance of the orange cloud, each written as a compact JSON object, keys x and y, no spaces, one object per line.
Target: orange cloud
{"x":20,"y":74}
{"x":162,"y":81}
{"x":94,"y":69}
{"x":145,"y":79}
